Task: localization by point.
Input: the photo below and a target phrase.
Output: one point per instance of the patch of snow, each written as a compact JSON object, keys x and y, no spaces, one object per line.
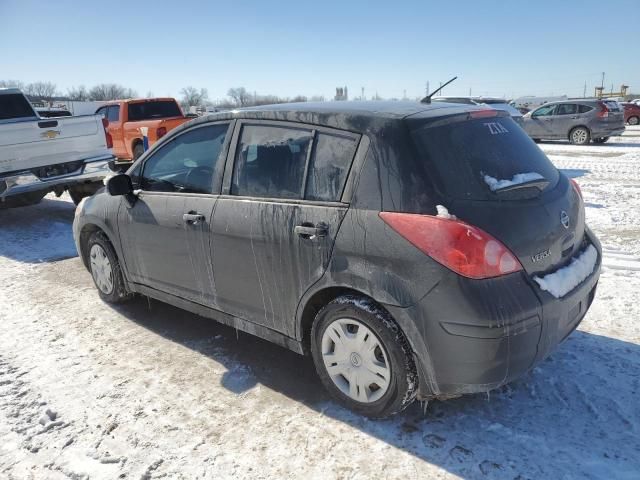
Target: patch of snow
{"x":444,"y":213}
{"x":567,"y":278}
{"x":495,"y":184}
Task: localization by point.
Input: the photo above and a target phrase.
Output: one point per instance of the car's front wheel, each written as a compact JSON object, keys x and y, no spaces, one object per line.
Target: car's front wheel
{"x":363,"y":358}
{"x":105,"y":269}
{"x":633,"y":120}
{"x":580,"y":136}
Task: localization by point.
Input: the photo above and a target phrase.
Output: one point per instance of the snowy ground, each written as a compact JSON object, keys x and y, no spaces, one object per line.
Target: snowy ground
{"x":149,"y":391}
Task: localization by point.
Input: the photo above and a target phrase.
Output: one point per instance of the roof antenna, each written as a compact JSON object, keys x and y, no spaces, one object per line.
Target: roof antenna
{"x":427,"y":99}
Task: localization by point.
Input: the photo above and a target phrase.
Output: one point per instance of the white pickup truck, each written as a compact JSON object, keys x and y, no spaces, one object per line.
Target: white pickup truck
{"x":42,"y":155}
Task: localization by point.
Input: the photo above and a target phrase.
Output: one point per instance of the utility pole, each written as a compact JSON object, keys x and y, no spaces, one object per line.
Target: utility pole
{"x":584,"y":92}
{"x":469,"y":91}
{"x":427,"y":88}
{"x":404,"y":94}
{"x":602,"y":83}
{"x":362,"y":95}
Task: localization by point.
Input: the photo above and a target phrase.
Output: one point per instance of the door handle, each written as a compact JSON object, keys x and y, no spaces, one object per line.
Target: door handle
{"x":310,"y":231}
{"x":193,"y":218}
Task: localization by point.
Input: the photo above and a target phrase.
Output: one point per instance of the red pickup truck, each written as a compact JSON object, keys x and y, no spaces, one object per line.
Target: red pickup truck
{"x":125,"y":117}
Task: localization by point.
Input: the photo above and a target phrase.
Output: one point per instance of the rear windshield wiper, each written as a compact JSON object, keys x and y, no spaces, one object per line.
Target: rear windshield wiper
{"x":539,"y":183}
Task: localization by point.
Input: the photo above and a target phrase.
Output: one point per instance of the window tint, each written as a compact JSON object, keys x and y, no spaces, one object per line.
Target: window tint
{"x":329,"y":166}
{"x":464,"y":152}
{"x":113,"y":113}
{"x":270,"y":161}
{"x":567,"y":109}
{"x":14,"y":106}
{"x":187,"y":163}
{"x":544,"y":111}
{"x":155,"y":109}
{"x":584,"y":108}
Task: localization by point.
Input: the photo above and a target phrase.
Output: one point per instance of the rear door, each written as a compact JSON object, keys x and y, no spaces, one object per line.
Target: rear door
{"x":543,"y":225}
{"x":275,"y":224}
{"x":566,"y":117}
{"x":165,"y":234}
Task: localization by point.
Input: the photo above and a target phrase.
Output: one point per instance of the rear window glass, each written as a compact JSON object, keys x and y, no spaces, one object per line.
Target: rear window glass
{"x":329,"y":166}
{"x":14,"y":106}
{"x":464,"y":152}
{"x":613,"y":106}
{"x":151,"y":110}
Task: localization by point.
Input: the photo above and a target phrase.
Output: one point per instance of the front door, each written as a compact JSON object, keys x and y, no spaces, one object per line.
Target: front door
{"x":165,"y":234}
{"x":274,"y":229}
{"x":540,"y":123}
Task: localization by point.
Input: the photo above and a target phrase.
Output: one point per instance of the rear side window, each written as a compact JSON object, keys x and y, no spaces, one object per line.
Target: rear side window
{"x":584,"y":108}
{"x":329,"y":166}
{"x":464,"y":152}
{"x":113,"y":113}
{"x":567,"y":109}
{"x":270,"y":161}
{"x":150,"y":110}
{"x":14,"y":106}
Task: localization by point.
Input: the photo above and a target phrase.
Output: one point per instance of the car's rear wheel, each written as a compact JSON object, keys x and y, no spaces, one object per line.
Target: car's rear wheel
{"x":105,"y":269}
{"x":363,"y":358}
{"x":580,"y":136}
{"x":138,"y":150}
{"x":633,"y":120}
{"x":600,"y":140}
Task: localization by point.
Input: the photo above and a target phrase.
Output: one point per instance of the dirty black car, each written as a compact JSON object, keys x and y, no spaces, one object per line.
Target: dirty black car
{"x":413,"y":250}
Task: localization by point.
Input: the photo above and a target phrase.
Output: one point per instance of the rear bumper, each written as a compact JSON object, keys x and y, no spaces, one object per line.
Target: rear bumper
{"x":607,"y":132}
{"x":16,"y":183}
{"x":472,"y":336}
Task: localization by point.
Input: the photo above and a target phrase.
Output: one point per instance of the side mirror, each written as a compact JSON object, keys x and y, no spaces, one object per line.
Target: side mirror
{"x":120,"y":185}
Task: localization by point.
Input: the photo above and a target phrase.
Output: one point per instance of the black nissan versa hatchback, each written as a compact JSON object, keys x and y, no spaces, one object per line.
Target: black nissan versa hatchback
{"x":413,"y":250}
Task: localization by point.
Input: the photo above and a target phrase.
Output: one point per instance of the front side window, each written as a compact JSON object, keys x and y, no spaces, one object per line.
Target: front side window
{"x":113,"y":113}
{"x":544,"y":111}
{"x":567,"y":109}
{"x":270,"y":161}
{"x":329,"y":166}
{"x":187,"y":163}
{"x":102,"y":111}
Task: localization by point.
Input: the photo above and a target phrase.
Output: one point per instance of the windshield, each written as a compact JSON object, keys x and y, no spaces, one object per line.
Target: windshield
{"x":465,"y":153}
{"x":151,"y":110}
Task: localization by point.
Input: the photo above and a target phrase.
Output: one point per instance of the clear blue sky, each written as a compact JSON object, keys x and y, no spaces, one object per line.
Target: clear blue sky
{"x":287,"y":48}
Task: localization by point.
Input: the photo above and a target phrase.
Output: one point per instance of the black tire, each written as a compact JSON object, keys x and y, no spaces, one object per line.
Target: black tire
{"x":138,"y":150}
{"x":118,"y":293}
{"x":403,"y":379}
{"x":580,"y":136}
{"x":600,"y":140}
{"x":633,"y":120}
{"x":22,"y":200}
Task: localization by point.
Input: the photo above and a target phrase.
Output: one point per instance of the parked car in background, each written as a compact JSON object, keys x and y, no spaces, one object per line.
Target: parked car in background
{"x":497,"y":103}
{"x":578,"y":121}
{"x":323,"y":228}
{"x":631,"y":113}
{"x":39,"y":155}
{"x":126,"y":117}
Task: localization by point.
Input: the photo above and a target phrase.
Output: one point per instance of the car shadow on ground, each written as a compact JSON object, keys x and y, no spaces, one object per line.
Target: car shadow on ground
{"x":39,"y":233}
{"x":574,"y":413}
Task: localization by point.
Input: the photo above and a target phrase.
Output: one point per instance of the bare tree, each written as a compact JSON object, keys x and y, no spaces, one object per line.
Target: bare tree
{"x":317,"y":98}
{"x":240,"y":96}
{"x":44,"y":90}
{"x":110,"y":91}
{"x":299,"y":98}
{"x":192,"y":97}
{"x":79,"y":94}
{"x":12,"y":84}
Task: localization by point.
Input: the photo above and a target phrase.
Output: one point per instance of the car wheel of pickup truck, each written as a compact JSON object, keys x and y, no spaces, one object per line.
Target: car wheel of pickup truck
{"x":105,"y":269}
{"x":23,"y":200}
{"x":363,"y":358}
{"x":138,"y":150}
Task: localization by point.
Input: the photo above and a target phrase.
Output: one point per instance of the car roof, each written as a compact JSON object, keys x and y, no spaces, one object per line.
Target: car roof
{"x":356,"y":116}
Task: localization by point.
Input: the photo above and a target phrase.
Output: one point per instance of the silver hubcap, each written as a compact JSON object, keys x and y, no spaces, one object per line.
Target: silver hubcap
{"x":355,"y":360}
{"x":101,"y":269}
{"x":579,"y":136}
{"x":633,"y":121}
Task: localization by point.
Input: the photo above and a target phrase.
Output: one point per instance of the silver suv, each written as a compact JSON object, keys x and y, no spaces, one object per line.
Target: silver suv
{"x":578,"y":121}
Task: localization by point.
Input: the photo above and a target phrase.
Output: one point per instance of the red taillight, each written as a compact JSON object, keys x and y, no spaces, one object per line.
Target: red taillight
{"x":604,"y":111}
{"x":577,"y":188}
{"x":463,"y":248}
{"x":109,"y":138}
{"x":483,"y":113}
{"x":161,"y":132}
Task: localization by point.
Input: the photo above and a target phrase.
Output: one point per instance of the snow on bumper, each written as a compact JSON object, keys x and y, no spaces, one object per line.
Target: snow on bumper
{"x":567,"y":278}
